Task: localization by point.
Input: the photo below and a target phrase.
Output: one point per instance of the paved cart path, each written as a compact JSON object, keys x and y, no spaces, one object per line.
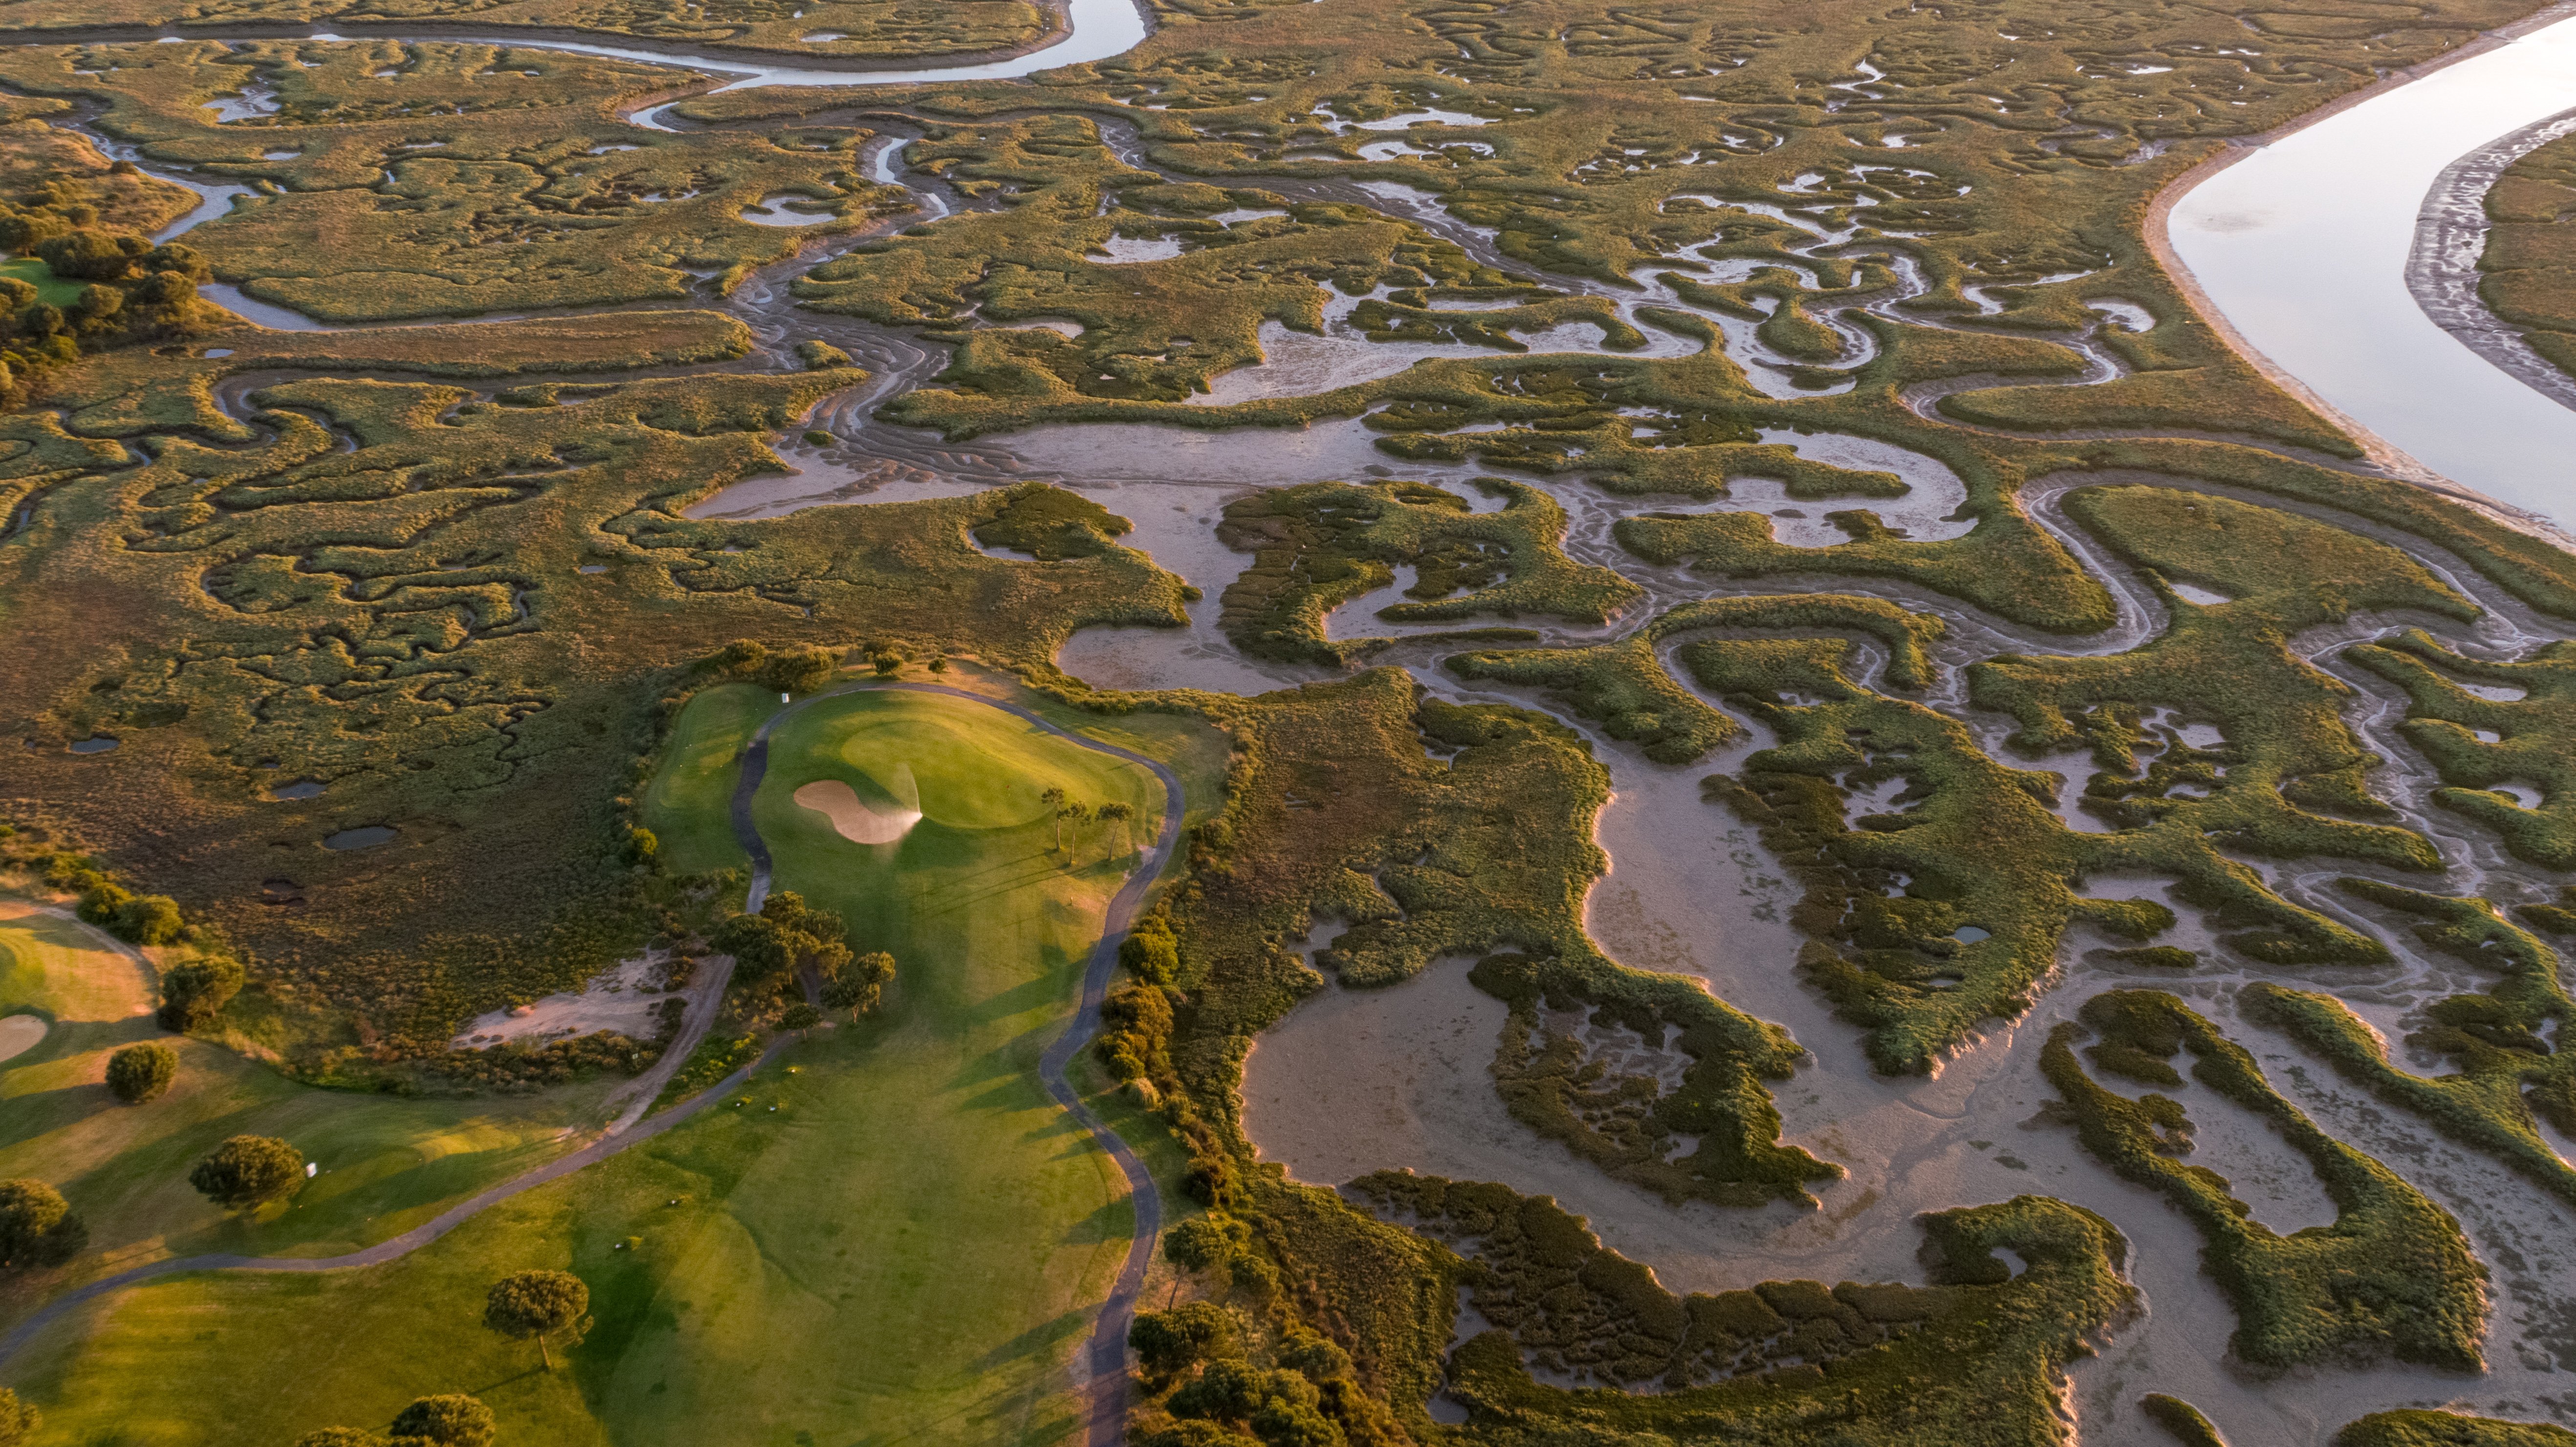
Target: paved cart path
{"x":1107,"y":1353}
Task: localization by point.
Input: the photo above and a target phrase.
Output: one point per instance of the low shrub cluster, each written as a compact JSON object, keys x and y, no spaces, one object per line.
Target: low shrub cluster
{"x":522,"y":1067}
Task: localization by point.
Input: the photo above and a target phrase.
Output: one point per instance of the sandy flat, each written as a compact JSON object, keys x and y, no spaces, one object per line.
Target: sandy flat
{"x":853,"y":818}
{"x":621,"y":999}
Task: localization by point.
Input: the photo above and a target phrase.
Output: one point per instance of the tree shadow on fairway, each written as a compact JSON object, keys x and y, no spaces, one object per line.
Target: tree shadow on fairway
{"x":1036,"y":1340}
{"x":996,"y":878}
{"x":1112,"y":1221}
{"x":511,"y":1380}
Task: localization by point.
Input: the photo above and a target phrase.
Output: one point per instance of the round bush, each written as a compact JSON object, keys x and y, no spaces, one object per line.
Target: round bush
{"x":143,"y":1072}
{"x":450,"y":1421}
{"x":247,"y":1170}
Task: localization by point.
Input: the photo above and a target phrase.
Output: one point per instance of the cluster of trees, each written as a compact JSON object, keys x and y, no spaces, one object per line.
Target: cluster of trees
{"x":248,"y":1170}
{"x":1136,"y":1032}
{"x":193,"y":991}
{"x":37,"y":1228}
{"x":773,"y":948}
{"x":455,"y":1420}
{"x":1135,"y":1045}
{"x":137,"y":291}
{"x":1115,"y":814}
{"x":137,"y":919}
{"x":793,"y":670}
{"x":1223,"y":1399}
{"x":1151,"y":952}
{"x":141,"y":1073}
{"x":18,"y":1420}
{"x":1218,"y":1245}
{"x":520,"y":1066}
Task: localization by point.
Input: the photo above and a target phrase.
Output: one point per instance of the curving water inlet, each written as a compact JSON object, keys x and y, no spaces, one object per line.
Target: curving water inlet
{"x":2304,"y":246}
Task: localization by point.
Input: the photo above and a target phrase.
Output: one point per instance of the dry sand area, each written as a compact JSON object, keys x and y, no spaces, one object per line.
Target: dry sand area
{"x":859,"y":821}
{"x":20,"y":1034}
{"x":622,"y":999}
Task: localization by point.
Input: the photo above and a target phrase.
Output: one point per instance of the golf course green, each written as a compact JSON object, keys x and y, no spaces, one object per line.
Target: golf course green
{"x":891,"y":1227}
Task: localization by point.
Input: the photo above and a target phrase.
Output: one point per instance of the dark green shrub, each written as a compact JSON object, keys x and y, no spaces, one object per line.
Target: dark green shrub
{"x":88,"y":254}
{"x":147,"y":919}
{"x":247,"y":1170}
{"x":37,"y":1227}
{"x":100,"y":902}
{"x":340,"y":1437}
{"x":1150,"y":952}
{"x":193,"y":992}
{"x":140,"y":1073}
{"x":1173,"y":1341}
{"x":455,"y":1420}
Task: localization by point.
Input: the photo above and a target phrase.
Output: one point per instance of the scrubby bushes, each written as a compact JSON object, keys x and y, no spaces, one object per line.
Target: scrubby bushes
{"x":137,"y":919}
{"x":795,"y":670}
{"x":37,"y":1227}
{"x":1136,"y":1030}
{"x":18,"y":1420}
{"x":525,"y":1067}
{"x":140,"y":1073}
{"x":193,"y":992}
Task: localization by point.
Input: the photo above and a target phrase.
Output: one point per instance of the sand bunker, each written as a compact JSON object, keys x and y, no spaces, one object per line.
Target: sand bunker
{"x":19,"y":1034}
{"x":859,"y":821}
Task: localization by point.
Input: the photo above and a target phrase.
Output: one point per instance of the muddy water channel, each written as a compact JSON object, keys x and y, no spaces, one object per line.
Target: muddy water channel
{"x":1358,"y":1081}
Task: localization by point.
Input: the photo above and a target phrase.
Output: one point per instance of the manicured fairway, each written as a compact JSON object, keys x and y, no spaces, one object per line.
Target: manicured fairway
{"x":685,"y":804}
{"x":906,"y":1250}
{"x":387,"y":1163}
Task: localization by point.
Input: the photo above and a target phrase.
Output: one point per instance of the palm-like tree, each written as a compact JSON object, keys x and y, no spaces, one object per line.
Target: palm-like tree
{"x":1116,"y":812}
{"x":1056,"y":800}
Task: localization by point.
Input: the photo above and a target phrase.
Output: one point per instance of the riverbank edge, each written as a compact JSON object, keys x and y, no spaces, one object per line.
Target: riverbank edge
{"x":2382,"y":454}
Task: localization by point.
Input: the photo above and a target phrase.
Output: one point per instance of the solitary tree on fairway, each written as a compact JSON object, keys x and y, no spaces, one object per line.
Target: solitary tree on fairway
{"x":139,"y":1073}
{"x":450,"y":1421}
{"x":538,"y":1304}
{"x":1058,"y":802}
{"x":247,"y":1170}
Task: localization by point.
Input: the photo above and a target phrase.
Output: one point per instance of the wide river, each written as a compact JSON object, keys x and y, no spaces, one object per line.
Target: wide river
{"x":2303,"y":246}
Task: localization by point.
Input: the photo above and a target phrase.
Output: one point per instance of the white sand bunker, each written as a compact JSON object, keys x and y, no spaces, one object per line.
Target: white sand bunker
{"x":859,"y":821}
{"x":19,"y":1034}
